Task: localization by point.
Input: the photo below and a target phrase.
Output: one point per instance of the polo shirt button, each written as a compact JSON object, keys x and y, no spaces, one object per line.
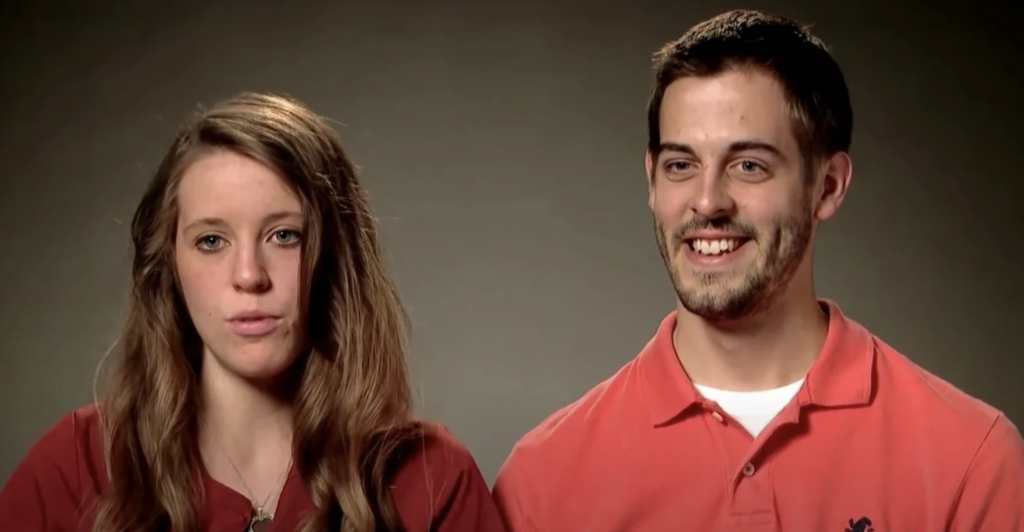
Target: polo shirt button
{"x":718,"y":417}
{"x":748,"y":470}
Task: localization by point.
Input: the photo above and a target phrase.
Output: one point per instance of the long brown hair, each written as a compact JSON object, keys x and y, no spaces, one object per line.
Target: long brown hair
{"x":352,"y":409}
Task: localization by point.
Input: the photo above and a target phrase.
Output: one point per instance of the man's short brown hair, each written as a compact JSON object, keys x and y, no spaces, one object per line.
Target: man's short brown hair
{"x":813,"y":84}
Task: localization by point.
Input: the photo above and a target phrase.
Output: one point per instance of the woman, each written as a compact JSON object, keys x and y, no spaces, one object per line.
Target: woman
{"x":261,"y":383}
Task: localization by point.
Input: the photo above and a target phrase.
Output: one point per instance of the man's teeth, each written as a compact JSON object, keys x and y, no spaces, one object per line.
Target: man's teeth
{"x":714,"y":247}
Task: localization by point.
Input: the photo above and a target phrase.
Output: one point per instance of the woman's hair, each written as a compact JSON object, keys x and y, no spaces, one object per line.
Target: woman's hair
{"x":352,"y":408}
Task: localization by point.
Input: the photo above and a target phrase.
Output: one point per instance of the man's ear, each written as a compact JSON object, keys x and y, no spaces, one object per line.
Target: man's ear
{"x":649,"y":170}
{"x":649,"y":167}
{"x":838,"y":173}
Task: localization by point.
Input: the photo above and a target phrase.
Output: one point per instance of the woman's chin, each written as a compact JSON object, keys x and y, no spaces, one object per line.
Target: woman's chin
{"x":269,"y":369}
{"x":255,"y":364}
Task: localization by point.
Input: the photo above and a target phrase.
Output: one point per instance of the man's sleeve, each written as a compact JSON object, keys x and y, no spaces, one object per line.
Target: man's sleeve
{"x":992,"y":493}
{"x":514,"y":494}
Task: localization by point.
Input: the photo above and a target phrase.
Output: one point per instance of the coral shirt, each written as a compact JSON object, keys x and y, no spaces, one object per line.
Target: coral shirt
{"x":870,"y":442}
{"x":56,"y":485}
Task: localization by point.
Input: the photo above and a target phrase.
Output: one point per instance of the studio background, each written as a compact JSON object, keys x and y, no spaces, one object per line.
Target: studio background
{"x":502,"y":146}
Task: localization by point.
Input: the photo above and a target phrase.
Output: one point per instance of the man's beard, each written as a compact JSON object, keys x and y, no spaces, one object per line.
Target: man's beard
{"x":780,"y":252}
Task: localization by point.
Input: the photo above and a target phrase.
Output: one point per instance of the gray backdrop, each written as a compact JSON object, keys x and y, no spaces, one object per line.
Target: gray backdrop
{"x":502,"y":145}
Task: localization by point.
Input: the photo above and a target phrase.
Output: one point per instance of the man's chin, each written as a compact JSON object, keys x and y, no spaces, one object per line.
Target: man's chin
{"x":717,"y":285}
{"x":718,"y":304}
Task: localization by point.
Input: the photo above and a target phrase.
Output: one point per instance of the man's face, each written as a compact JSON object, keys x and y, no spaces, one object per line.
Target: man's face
{"x":733,"y":207}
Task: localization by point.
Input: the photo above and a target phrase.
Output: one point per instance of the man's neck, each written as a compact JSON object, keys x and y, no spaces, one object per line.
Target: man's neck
{"x":247,"y":422}
{"x":775,"y":348}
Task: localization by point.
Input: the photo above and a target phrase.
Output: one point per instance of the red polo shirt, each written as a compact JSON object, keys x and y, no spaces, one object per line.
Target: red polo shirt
{"x":870,"y":442}
{"x":56,"y":486}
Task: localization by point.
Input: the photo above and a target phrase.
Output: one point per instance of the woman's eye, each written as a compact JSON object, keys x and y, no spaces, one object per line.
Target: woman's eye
{"x":209,"y":243}
{"x":286,"y":237}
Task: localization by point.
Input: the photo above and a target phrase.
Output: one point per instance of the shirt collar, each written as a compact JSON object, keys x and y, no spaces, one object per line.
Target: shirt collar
{"x":840,"y":376}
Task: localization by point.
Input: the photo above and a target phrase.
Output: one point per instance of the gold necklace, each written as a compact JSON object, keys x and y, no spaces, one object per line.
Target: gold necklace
{"x":261,"y":518}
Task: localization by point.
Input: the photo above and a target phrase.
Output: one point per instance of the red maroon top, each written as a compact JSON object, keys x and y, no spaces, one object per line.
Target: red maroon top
{"x":55,"y":487}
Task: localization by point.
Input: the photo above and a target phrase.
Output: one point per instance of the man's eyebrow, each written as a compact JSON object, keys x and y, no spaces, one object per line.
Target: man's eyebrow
{"x":738,"y":146}
{"x":755,"y":145}
{"x":676,"y":147}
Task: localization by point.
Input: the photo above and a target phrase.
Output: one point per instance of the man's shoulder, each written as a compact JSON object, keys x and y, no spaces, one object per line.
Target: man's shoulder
{"x":972,"y":443}
{"x":546,"y":461}
{"x":927,"y":386}
{"x":943,"y":405}
{"x":583,"y":418}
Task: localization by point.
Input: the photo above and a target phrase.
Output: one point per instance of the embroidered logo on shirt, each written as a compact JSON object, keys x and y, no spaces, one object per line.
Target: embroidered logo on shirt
{"x":861,"y":525}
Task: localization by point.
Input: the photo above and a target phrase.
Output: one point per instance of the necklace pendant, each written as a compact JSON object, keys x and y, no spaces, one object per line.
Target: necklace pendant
{"x":260,"y":521}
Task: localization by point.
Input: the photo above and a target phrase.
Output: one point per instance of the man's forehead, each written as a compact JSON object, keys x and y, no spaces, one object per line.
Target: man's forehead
{"x":724,"y":108}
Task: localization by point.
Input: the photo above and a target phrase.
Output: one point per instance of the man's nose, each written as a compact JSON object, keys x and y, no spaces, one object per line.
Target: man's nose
{"x":713,"y":199}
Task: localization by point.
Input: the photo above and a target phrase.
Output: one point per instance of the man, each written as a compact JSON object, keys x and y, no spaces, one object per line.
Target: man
{"x":757,"y":406}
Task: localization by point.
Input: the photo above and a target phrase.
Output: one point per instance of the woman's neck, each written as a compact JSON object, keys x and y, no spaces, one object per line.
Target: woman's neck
{"x":249,"y":423}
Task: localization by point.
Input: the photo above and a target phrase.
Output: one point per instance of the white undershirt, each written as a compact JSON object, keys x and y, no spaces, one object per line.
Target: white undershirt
{"x":753,"y":410}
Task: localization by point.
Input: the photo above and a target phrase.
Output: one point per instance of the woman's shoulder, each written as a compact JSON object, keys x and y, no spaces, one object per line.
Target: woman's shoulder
{"x":439,"y":485}
{"x":435,"y":457}
{"x":440,"y":447}
{"x":75,"y":432}
{"x":61,"y":471}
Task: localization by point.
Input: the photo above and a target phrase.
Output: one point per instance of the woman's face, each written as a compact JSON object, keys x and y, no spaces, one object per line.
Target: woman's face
{"x":238,"y":257}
